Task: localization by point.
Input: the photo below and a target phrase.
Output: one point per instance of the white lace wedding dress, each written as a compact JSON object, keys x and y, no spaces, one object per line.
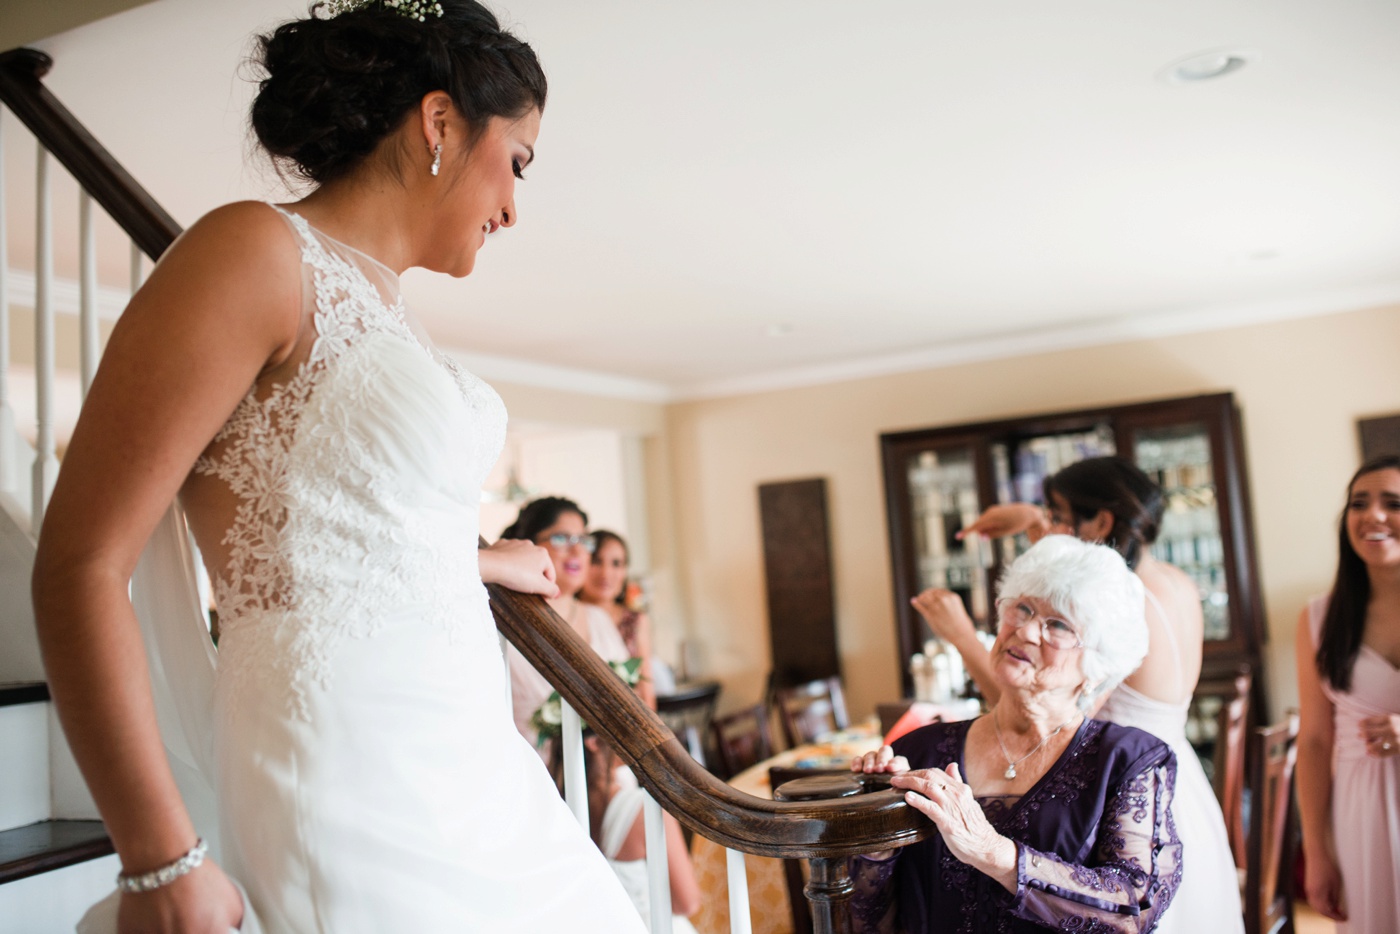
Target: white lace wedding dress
{"x":365,"y":768}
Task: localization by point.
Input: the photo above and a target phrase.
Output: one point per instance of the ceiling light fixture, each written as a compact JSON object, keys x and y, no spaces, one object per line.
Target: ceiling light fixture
{"x":1207,"y":66}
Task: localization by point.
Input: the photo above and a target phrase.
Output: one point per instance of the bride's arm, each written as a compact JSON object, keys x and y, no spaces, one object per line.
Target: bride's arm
{"x":223,"y":305}
{"x":518,"y":565}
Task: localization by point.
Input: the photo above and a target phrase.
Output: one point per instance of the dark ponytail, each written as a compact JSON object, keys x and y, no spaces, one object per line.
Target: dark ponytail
{"x":1115,"y":484}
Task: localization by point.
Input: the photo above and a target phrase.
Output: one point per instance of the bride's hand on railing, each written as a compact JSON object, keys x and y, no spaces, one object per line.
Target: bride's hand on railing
{"x":202,"y":902}
{"x":881,"y":760}
{"x":518,"y":565}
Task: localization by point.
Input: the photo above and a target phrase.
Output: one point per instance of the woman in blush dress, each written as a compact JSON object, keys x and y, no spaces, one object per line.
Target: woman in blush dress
{"x":329,"y":461}
{"x":606,"y":586}
{"x":1109,"y":500}
{"x":1349,"y":687}
{"x":1046,"y":819}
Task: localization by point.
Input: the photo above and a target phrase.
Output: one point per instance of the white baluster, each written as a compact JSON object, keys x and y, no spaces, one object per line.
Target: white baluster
{"x":9,"y":479}
{"x":136,"y":258}
{"x":45,"y":461}
{"x":575,"y":778}
{"x":658,"y":867}
{"x":739,"y":919}
{"x":87,"y":315}
{"x":505,"y":663}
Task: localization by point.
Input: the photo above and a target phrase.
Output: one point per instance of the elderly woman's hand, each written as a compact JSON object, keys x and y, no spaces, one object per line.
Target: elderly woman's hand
{"x":881,"y":760}
{"x":943,"y":796}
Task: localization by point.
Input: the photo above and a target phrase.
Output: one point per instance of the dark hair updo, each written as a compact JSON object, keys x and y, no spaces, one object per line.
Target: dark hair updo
{"x":539,"y":514}
{"x":334,"y":87}
{"x":1115,"y":484}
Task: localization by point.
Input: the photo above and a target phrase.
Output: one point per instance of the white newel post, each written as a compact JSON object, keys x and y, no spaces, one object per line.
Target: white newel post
{"x":739,"y":920}
{"x":45,"y":460}
{"x":87,"y":315}
{"x":8,"y":469}
{"x":658,"y":866}
{"x":575,"y":778}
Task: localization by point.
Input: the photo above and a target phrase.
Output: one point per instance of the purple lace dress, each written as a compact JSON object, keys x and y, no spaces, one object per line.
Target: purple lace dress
{"x":1096,"y":847}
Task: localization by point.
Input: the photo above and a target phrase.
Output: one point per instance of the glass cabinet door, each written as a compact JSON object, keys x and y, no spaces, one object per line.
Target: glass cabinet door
{"x":943,"y":499}
{"x":1178,"y":458}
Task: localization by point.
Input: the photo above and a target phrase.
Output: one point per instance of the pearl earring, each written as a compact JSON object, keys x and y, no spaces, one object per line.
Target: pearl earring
{"x":437,"y":159}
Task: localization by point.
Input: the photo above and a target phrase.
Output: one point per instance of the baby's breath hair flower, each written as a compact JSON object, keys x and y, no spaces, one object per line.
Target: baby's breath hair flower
{"x":413,"y":9}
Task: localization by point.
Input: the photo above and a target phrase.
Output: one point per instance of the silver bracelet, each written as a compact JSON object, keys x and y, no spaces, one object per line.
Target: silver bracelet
{"x":156,"y":878}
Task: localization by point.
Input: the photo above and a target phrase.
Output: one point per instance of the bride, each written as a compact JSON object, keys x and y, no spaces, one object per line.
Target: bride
{"x":329,"y":461}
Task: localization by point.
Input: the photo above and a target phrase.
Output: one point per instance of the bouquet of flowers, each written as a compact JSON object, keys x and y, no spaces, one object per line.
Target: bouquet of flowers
{"x":548,"y":718}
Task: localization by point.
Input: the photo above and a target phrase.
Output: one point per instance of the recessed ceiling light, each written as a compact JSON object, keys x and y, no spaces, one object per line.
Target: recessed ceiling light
{"x":1207,"y":66}
{"x":780,"y":329}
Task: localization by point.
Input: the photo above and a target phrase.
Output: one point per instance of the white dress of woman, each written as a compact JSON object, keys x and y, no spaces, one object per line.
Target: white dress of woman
{"x":1208,"y":898}
{"x":363,"y":763}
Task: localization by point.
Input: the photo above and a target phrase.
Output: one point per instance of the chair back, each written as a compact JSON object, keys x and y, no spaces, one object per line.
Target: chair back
{"x":689,"y":713}
{"x":741,"y":739}
{"x":810,"y":710}
{"x":1268,"y":888}
{"x":1231,"y":740}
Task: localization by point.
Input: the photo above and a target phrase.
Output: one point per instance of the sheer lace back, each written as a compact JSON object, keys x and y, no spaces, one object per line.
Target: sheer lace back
{"x":355,"y":482}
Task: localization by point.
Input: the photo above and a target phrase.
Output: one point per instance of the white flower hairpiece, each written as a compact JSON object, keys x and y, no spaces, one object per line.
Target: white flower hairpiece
{"x":413,"y":9}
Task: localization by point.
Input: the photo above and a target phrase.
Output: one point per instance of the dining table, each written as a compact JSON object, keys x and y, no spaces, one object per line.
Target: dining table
{"x":770,"y":909}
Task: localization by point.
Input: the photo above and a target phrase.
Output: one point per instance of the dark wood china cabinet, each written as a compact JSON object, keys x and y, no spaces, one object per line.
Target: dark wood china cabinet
{"x":937,"y":480}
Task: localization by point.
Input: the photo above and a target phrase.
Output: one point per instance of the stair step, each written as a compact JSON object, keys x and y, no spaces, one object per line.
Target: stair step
{"x":23,"y":692}
{"x":49,"y":845}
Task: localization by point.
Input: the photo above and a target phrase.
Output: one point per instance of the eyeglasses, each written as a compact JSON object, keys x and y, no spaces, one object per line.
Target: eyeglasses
{"x":561,"y":542}
{"x":1054,"y":632}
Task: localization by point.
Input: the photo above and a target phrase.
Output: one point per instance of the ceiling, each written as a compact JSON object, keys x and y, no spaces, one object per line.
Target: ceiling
{"x":739,"y":195}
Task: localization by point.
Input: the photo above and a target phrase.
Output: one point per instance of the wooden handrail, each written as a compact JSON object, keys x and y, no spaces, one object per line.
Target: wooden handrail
{"x":121,"y":196}
{"x":809,"y":829}
{"x":789,"y":829}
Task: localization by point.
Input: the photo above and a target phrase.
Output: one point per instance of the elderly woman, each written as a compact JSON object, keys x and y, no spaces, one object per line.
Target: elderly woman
{"x":1047,"y":819}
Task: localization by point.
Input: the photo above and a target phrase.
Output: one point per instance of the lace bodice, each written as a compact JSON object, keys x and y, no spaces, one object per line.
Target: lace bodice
{"x":357,"y":481}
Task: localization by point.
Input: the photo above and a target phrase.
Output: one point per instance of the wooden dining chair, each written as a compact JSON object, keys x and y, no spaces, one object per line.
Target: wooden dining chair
{"x":689,"y":713}
{"x":1268,"y":888}
{"x":810,"y":710}
{"x":1231,"y":742}
{"x":741,"y":739}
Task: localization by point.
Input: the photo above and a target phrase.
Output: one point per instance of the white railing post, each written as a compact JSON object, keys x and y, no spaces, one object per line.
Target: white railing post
{"x":739,"y":920}
{"x":658,"y":866}
{"x":45,"y":461}
{"x":575,"y":777}
{"x":8,"y":479}
{"x":136,"y":259}
{"x":87,"y":314}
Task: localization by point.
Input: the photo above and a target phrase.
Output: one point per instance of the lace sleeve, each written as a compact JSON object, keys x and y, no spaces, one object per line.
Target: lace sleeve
{"x":872,"y":901}
{"x":1135,"y":869}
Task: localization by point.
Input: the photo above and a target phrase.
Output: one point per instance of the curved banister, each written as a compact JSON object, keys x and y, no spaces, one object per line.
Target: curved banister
{"x":789,"y":829}
{"x":102,"y":176}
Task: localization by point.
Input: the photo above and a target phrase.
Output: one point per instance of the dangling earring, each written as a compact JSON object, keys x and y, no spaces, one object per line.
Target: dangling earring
{"x":437,"y":159}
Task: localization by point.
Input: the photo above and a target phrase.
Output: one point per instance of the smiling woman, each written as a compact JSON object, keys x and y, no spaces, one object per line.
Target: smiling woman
{"x":1047,"y":819}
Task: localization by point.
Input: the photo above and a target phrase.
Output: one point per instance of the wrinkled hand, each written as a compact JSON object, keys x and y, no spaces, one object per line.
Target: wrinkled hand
{"x":1382,"y":735}
{"x":944,"y":612}
{"x":202,"y":902}
{"x":1322,"y":881}
{"x":943,"y":797}
{"x":881,"y":760}
{"x":518,"y":565}
{"x":1005,"y":519}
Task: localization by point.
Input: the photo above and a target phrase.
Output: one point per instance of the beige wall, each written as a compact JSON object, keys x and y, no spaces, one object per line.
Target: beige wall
{"x":1300,"y":384}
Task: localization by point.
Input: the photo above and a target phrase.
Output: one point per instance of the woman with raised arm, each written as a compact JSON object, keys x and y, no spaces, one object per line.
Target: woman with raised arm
{"x":329,"y":460}
{"x":1109,"y":500}
{"x":1046,"y":819}
{"x":1349,"y":741}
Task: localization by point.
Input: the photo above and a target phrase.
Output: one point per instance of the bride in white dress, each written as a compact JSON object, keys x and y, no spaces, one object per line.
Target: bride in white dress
{"x":365,"y":772}
{"x":1107,"y":499}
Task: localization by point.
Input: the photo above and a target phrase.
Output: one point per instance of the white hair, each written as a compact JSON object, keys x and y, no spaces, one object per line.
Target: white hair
{"x":1092,"y":587}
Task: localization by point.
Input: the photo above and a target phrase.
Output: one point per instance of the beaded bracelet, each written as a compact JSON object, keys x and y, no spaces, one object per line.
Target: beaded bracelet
{"x":156,"y":878}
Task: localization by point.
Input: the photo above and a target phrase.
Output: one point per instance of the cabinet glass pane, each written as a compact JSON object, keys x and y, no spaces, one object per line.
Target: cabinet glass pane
{"x":1020,"y":468}
{"x":943,"y":496}
{"x":1179,"y":459}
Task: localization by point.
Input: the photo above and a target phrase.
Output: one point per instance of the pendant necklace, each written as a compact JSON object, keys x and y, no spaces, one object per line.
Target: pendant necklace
{"x":1010,"y":772}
